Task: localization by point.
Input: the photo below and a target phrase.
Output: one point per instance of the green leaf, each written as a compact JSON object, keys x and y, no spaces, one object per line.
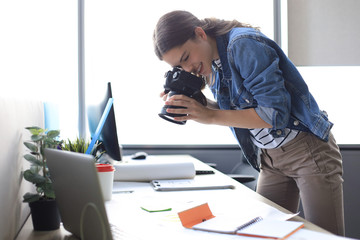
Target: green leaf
{"x":37,"y":138}
{"x":79,"y":145}
{"x":32,"y":147}
{"x":38,"y":174}
{"x":31,"y":197}
{"x":33,"y":159}
{"x":49,"y":193}
{"x":53,"y":133}
{"x":48,"y":190}
{"x":35,"y":168}
{"x":50,"y":142}
{"x":34,"y":130}
{"x":34,"y":177}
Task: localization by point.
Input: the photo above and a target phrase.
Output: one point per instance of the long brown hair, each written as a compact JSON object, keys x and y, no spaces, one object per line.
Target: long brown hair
{"x":175,"y":28}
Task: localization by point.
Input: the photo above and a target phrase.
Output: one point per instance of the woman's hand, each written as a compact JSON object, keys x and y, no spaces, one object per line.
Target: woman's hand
{"x":163,"y":95}
{"x":246,"y":118}
{"x":193,"y":109}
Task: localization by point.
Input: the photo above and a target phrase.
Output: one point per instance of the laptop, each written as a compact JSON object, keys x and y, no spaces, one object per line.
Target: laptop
{"x":78,"y":196}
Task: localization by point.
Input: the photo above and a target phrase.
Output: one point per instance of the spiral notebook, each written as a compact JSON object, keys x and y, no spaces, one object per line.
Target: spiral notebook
{"x":201,"y":218}
{"x":271,"y":228}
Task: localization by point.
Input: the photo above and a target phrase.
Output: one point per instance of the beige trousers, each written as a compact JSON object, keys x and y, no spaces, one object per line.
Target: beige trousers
{"x":310,"y":169}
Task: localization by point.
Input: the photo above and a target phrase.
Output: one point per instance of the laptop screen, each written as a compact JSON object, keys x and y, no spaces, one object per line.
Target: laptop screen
{"x":78,"y":194}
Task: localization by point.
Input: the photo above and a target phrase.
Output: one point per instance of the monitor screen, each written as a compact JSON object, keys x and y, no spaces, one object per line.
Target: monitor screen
{"x":108,"y":135}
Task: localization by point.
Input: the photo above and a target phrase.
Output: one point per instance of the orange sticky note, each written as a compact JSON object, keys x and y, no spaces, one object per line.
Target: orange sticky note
{"x":195,"y":215}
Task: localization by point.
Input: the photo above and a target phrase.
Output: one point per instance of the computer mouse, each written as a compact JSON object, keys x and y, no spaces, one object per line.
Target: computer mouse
{"x":139,"y":156}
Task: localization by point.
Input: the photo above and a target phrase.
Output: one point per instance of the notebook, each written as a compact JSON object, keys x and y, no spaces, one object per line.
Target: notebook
{"x":201,"y":218}
{"x":271,"y":229}
{"x":78,"y":195}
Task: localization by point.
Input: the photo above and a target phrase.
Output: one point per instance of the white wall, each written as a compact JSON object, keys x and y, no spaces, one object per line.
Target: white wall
{"x":324,"y":32}
{"x":15,"y":116}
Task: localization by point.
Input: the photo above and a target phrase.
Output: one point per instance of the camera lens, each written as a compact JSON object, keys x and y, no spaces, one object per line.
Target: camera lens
{"x":170,"y":116}
{"x":179,"y":81}
{"x":175,"y":75}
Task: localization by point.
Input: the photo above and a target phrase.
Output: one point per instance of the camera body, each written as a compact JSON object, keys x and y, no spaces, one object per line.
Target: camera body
{"x":185,"y":83}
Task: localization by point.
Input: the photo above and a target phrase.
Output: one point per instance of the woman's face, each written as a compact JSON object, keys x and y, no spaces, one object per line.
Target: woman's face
{"x":195,"y":55}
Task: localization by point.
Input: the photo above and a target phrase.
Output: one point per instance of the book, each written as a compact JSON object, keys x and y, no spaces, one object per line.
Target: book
{"x":201,"y":218}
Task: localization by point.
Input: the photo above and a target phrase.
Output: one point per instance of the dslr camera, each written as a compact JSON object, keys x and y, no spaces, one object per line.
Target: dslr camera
{"x":185,"y":83}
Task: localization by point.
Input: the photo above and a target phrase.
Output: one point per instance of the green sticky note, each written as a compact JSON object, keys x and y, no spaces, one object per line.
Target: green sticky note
{"x":156,"y":209}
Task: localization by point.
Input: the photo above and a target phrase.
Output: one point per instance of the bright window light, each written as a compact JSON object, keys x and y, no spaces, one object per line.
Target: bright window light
{"x":39,"y":61}
{"x":336,"y":92}
{"x":119,"y":49}
{"x":38,"y":55}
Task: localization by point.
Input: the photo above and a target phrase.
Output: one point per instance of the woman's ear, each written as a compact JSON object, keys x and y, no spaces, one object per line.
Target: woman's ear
{"x":199,"y":32}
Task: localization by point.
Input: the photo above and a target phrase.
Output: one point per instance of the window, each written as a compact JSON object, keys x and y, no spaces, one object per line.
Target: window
{"x":38,"y":59}
{"x":321,"y":45}
{"x":336,"y":92}
{"x":119,"y":48}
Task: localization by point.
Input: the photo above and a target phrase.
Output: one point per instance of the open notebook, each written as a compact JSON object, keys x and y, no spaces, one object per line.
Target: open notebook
{"x":201,"y":218}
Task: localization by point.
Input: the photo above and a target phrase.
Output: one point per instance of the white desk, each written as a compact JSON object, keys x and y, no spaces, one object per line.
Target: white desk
{"x":124,"y":208}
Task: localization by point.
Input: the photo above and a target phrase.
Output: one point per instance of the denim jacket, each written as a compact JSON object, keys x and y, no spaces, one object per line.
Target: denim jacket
{"x":257,"y":74}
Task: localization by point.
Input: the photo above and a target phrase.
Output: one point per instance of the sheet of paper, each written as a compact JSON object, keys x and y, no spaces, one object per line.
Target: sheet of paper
{"x":305,"y":234}
{"x":224,"y":224}
{"x":271,"y":228}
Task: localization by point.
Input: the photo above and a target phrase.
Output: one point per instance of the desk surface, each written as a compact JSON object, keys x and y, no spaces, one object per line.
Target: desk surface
{"x":131,"y":195}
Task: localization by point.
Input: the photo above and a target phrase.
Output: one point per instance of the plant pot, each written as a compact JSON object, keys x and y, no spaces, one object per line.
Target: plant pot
{"x":45,"y":215}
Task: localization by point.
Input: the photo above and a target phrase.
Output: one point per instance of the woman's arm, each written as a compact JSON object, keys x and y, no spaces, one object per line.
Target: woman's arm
{"x":212,"y":104}
{"x":247,"y":118}
{"x":262,"y":78}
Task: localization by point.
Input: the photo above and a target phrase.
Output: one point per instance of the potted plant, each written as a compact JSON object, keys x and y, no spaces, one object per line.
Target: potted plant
{"x":80,"y":145}
{"x":44,"y":211}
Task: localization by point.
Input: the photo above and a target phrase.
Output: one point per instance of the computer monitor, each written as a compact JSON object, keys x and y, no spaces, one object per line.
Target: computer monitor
{"x":108,"y":135}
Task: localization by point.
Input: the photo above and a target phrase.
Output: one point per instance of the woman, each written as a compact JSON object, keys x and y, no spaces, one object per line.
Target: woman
{"x":262,"y":97}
